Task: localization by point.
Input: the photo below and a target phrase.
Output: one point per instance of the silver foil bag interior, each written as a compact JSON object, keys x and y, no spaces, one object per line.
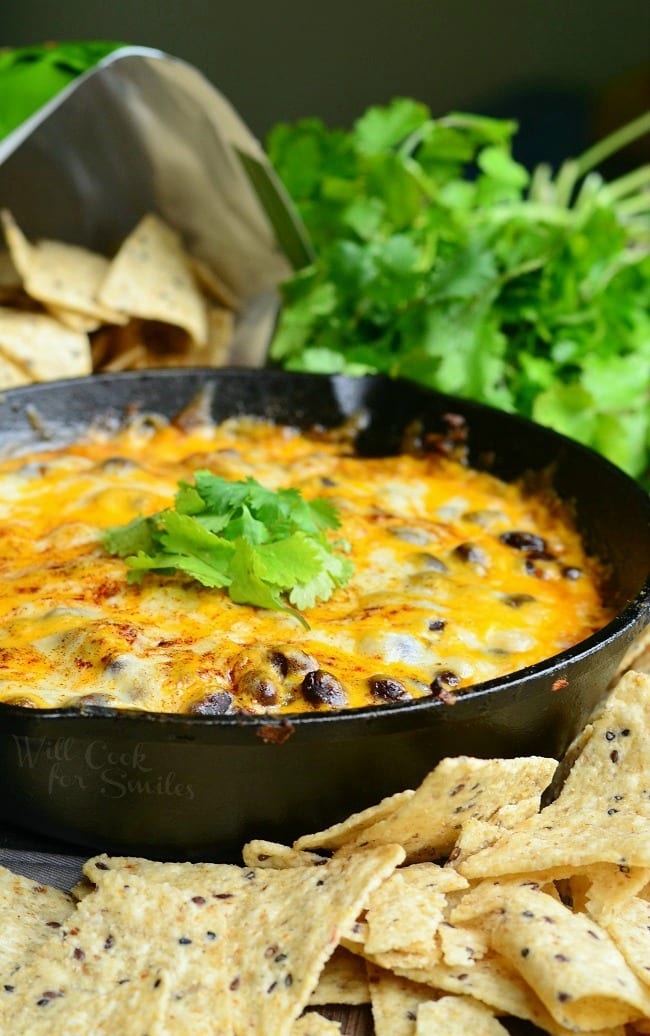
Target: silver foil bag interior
{"x":145,"y":132}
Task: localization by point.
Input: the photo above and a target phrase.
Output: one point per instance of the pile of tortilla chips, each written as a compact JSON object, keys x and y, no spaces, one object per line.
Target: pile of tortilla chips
{"x":449,"y":909}
{"x":66,"y":311}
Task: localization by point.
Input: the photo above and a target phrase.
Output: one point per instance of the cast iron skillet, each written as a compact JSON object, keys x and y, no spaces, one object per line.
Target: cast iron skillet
{"x":196,"y":786}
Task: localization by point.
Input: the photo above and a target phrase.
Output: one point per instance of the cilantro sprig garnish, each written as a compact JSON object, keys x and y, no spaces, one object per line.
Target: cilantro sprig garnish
{"x":264,"y":547}
{"x":441,"y":259}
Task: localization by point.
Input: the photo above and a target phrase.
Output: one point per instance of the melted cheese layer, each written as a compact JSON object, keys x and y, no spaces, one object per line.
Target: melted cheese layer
{"x":441,"y":596}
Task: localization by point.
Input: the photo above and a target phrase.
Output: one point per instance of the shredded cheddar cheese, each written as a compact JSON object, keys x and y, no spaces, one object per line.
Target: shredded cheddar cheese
{"x":458,"y":578}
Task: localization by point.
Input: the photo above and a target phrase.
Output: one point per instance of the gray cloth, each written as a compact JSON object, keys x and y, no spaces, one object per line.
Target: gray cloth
{"x":49,"y":868}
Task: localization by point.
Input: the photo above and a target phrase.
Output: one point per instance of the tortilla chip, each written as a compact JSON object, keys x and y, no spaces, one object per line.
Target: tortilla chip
{"x":343,"y":980}
{"x":41,"y":347}
{"x":629,"y":928}
{"x":457,"y":1016}
{"x":354,"y":936}
{"x":212,"y":284}
{"x":610,"y":887}
{"x":559,"y":843}
{"x":150,"y":278}
{"x":75,"y":321}
{"x":314,"y":1024}
{"x":347,"y":830}
{"x":288,"y":926}
{"x":260,"y":853}
{"x":612,"y":773}
{"x":29,"y":914}
{"x":169,"y":949}
{"x":97,"y":868}
{"x":82,"y":889}
{"x":487,"y":898}
{"x":405,"y":912}
{"x":64,"y":276}
{"x":221,"y":327}
{"x":395,"y":1002}
{"x":462,"y":945}
{"x":602,"y":814}
{"x":9,"y":276}
{"x":474,"y":836}
{"x":568,"y":960}
{"x":427,"y":825}
{"x":11,"y":376}
{"x":492,"y":980}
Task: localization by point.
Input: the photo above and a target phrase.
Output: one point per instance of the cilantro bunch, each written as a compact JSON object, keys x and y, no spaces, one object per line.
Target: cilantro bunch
{"x":440,"y":259}
{"x":266,"y":548}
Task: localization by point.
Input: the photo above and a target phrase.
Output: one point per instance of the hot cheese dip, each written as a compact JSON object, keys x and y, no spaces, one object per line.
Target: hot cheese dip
{"x":458,"y":578}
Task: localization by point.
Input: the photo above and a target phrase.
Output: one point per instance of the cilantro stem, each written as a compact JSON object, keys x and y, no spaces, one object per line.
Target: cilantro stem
{"x":628,"y":183}
{"x":617,"y":140}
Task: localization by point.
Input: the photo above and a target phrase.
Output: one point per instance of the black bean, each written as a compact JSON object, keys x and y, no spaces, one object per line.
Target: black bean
{"x":79,"y":954}
{"x":279,"y":662}
{"x":199,"y":900}
{"x":216,"y":704}
{"x":523,"y":540}
{"x":108,"y":942}
{"x":430,"y":562}
{"x":386,"y":688}
{"x":299,"y":661}
{"x":444,"y":680}
{"x":184,"y":941}
{"x":470,"y":553}
{"x":516,"y":600}
{"x":258,"y":686}
{"x":321,"y":688}
{"x":436,"y":624}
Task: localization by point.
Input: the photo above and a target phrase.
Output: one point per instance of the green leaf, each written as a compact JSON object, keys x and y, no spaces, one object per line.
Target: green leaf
{"x":569,"y":409}
{"x":498,"y":164}
{"x":258,"y":543}
{"x":383,"y":128}
{"x":437,"y":261}
{"x":137,"y":536}
{"x":287,"y":562}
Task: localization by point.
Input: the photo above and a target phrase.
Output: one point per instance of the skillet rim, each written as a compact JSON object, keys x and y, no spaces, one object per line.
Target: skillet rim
{"x":632,"y":619}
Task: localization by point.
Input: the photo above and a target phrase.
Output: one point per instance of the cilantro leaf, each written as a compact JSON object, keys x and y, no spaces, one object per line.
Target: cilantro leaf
{"x":136,"y":537}
{"x":439,"y":258}
{"x":266,"y":548}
